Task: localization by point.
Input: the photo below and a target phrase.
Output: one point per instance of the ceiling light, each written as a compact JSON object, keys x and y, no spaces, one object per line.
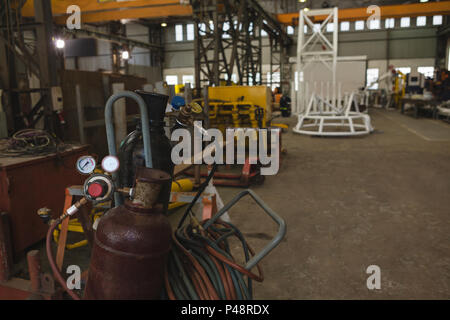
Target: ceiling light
{"x":301,"y":0}
{"x":163,"y":24}
{"x":305,"y":9}
{"x":60,"y":43}
{"x":125,"y":55}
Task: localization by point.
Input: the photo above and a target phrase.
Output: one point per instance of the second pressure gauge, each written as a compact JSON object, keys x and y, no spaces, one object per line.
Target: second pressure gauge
{"x":110,"y":164}
{"x":86,"y":164}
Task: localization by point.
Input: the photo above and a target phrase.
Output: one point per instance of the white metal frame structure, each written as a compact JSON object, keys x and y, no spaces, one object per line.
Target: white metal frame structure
{"x":308,"y":50}
{"x":321,"y":114}
{"x":324,"y":115}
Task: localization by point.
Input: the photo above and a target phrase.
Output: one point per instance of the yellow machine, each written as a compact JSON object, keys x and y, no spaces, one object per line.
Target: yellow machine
{"x":239,"y":106}
{"x":399,"y":88}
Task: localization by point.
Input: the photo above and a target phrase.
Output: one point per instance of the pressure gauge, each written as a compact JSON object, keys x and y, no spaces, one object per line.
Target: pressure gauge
{"x":110,"y":164}
{"x":86,"y":164}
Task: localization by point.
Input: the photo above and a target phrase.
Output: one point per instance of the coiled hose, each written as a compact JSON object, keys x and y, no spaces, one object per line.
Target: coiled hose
{"x":200,"y":264}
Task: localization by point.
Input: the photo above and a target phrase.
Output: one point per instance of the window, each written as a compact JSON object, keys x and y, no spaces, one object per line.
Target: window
{"x":263,"y":32}
{"x":345,"y":26}
{"x":389,"y":23}
{"x":330,"y":27}
{"x":189,"y":32}
{"x":290,"y":30}
{"x":372,"y":75}
{"x":404,"y":70}
{"x":426,"y":71}
{"x":359,"y":25}
{"x":226,"y":28}
{"x":437,"y":20}
{"x":202,"y":29}
{"x":316,"y":27}
{"x":234,"y":77}
{"x":305,"y":29}
{"x":374,"y":24}
{"x":404,"y":22}
{"x":179,"y":32}
{"x":188,"y":79}
{"x":172,"y":80}
{"x":421,"y":21}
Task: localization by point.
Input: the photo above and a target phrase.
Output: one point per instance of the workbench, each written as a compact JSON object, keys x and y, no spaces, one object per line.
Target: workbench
{"x":27,"y":184}
{"x":419,"y":104}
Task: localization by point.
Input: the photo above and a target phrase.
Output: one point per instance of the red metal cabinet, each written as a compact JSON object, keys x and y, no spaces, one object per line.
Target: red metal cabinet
{"x":27,"y":184}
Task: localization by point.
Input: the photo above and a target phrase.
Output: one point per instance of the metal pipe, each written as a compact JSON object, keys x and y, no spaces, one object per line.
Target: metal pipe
{"x":111,"y":136}
{"x":34,"y":269}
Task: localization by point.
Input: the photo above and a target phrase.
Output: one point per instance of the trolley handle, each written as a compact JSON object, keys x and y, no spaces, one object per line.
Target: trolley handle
{"x":273,"y":243}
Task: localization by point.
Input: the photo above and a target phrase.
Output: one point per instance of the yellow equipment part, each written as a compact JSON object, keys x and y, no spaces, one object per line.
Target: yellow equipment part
{"x":235,"y":106}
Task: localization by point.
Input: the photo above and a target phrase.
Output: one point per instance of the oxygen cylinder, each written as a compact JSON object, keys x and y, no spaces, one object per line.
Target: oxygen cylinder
{"x":131,"y":152}
{"x":132,"y":243}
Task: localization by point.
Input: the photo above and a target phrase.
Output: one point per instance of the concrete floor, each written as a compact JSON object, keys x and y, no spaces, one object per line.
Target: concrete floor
{"x":382,"y":199}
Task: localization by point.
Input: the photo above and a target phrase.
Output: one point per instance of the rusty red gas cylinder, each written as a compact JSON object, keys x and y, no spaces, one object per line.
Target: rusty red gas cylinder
{"x":131,"y":245}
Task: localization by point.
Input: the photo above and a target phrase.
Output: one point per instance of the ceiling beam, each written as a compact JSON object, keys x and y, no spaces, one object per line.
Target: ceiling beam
{"x":131,"y":13}
{"x":59,"y":7}
{"x":395,"y":11}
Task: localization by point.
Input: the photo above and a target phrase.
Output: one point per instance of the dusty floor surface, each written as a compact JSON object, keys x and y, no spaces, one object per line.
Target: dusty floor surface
{"x":349,"y":203}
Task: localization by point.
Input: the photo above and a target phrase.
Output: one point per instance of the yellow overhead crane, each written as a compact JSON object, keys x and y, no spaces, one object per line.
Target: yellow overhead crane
{"x":108,"y":10}
{"x":99,"y":11}
{"x":392,"y":11}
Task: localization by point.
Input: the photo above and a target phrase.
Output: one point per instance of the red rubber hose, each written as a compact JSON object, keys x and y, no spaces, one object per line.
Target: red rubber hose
{"x":56,"y":272}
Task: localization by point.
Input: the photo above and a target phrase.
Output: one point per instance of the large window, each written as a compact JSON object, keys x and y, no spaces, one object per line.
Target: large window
{"x":359,"y":25}
{"x":374,"y":24}
{"x":179,"y":32}
{"x":372,"y":75}
{"x":345,"y":26}
{"x":202,"y":29}
{"x":437,"y":20}
{"x":172,"y":80}
{"x":404,"y":70}
{"x":290,"y":30}
{"x":330,"y":27}
{"x":189,"y":32}
{"x":226,"y":28}
{"x":426,"y":71}
{"x":405,"y":22}
{"x":316,"y":27}
{"x":421,"y":21}
{"x":389,"y":23}
{"x":188,"y":79}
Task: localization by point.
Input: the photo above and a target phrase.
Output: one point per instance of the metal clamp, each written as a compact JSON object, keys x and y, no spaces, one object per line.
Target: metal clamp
{"x":273,"y":243}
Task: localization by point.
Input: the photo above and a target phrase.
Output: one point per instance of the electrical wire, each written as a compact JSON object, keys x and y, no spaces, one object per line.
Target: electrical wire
{"x":31,"y":142}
